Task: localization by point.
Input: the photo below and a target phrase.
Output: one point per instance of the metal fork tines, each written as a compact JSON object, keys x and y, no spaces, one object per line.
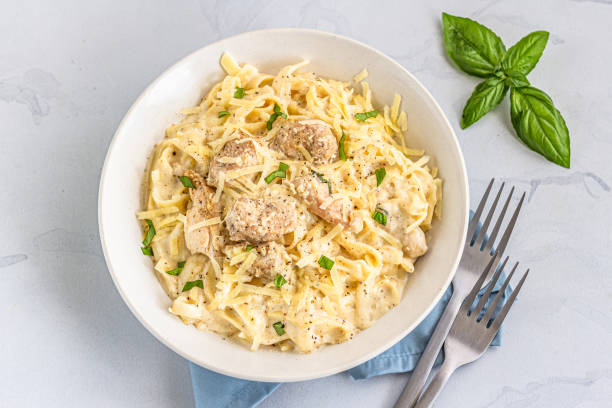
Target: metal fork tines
{"x":473,"y":328}
{"x":477,"y":252}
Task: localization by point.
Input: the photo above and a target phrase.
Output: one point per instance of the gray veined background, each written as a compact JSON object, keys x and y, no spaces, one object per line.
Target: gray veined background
{"x":69,"y":70}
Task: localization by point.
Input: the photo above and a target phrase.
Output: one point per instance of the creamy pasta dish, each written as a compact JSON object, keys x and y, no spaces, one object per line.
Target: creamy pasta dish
{"x":285,"y":210}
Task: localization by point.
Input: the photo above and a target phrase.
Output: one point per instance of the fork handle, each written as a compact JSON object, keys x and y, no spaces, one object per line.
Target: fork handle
{"x":436,"y":385}
{"x":421,"y":372}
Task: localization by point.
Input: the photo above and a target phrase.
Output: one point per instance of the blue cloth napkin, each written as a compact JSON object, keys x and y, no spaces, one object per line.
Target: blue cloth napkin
{"x":216,"y":390}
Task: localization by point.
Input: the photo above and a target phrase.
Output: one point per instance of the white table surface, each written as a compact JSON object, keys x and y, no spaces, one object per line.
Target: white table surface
{"x":69,"y":70}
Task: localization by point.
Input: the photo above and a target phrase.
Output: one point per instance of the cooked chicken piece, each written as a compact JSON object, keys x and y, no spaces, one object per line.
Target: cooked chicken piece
{"x":317,"y":139}
{"x":333,"y":208}
{"x":270,"y":261}
{"x":414,"y":243}
{"x":236,"y":154}
{"x":262,"y":219}
{"x":202,"y":208}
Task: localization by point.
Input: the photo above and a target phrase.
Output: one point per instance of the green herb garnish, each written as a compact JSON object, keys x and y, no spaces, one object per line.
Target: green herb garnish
{"x":150,"y":234}
{"x":223,"y":113}
{"x":186,"y":182}
{"x":279,"y":280}
{"x":323,"y":180}
{"x":380,"y":176}
{"x":280,"y":173}
{"x":276,"y":114}
{"x":148,"y":251}
{"x":193,"y":284}
{"x":478,"y":51}
{"x":176,"y":271}
{"x":279,"y":327}
{"x":239,"y":93}
{"x":326,"y":263}
{"x":365,"y":115}
{"x":379,"y":216}
{"x":341,"y":152}
{"x":249,"y":247}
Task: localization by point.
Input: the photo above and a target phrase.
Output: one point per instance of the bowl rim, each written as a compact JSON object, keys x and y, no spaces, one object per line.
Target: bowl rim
{"x":321,"y":373}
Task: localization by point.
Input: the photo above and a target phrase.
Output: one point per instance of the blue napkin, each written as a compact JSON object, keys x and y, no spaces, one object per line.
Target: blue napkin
{"x":216,"y":390}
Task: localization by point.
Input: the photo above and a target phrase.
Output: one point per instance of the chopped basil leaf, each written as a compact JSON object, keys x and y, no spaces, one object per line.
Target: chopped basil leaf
{"x":279,"y":327}
{"x":380,"y":175}
{"x":274,"y":175}
{"x":280,"y":173}
{"x":279,"y":280}
{"x":176,"y":271}
{"x":323,"y":180}
{"x":223,"y":113}
{"x":249,"y":247}
{"x":186,"y":182}
{"x":365,"y":115}
{"x":326,"y":263}
{"x":341,"y":152}
{"x":148,"y":251}
{"x":380,"y":217}
{"x":239,"y":93}
{"x":150,"y":234}
{"x":276,"y":114}
{"x":193,"y":284}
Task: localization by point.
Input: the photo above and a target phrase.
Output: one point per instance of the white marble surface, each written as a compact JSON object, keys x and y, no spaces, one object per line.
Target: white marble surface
{"x":69,"y":70}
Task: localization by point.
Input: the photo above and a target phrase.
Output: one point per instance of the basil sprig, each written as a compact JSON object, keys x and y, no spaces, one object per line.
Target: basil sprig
{"x":478,"y":51}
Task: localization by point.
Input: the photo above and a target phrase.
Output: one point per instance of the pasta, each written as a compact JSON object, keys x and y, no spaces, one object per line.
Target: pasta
{"x":287,"y":211}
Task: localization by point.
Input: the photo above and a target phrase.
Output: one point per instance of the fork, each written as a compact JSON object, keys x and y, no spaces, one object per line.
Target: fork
{"x":471,"y":334}
{"x":477,"y":251}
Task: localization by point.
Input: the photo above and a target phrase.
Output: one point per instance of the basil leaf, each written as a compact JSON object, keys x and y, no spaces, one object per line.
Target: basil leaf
{"x":341,"y":152}
{"x":365,"y":115}
{"x":525,"y":54}
{"x":274,"y":175}
{"x":380,"y":217}
{"x":276,"y":114}
{"x":279,"y":280}
{"x":280,"y":173}
{"x":249,"y":247}
{"x":192,"y":284}
{"x":148,"y":251}
{"x":486,"y":96}
{"x":539,"y":124}
{"x":150,"y":234}
{"x":223,"y":113}
{"x":186,"y":182}
{"x":326,"y":263}
{"x":239,"y":93}
{"x":380,"y":175}
{"x":279,"y":328}
{"x":176,"y":271}
{"x":516,"y":79}
{"x":473,"y":47}
{"x":323,"y":180}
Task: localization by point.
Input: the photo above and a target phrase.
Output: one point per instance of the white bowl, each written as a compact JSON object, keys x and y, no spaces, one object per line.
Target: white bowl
{"x":183,"y":85}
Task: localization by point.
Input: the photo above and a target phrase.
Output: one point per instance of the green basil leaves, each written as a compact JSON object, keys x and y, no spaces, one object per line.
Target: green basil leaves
{"x":525,"y":54}
{"x":478,"y":51}
{"x":487,"y":95}
{"x":539,"y":124}
{"x":473,"y":47}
